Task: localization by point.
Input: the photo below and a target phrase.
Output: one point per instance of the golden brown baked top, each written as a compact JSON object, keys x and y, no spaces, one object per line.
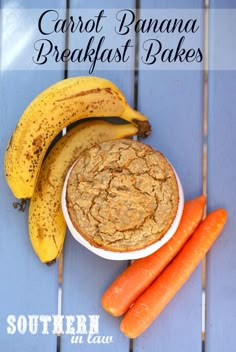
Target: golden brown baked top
{"x":122,"y":195}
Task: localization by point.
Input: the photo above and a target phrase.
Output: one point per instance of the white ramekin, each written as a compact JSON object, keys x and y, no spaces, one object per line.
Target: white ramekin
{"x":115,"y":255}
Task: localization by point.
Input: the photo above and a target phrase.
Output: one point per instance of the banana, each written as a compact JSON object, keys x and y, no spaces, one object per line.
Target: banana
{"x":47,"y":226}
{"x":56,"y":107}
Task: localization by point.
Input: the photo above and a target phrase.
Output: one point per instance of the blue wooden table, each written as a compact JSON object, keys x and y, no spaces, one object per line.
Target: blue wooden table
{"x":175,"y":102}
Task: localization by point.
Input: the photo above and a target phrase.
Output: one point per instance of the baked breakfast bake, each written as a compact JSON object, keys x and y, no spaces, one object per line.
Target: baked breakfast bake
{"x":122,"y":195}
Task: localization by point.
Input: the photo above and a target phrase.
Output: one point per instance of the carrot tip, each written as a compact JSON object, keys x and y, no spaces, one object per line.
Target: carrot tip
{"x":110,"y":310}
{"x":127,"y":333}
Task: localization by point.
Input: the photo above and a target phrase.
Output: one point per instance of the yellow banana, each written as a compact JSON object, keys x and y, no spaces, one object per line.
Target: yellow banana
{"x":58,"y":106}
{"x":47,"y":226}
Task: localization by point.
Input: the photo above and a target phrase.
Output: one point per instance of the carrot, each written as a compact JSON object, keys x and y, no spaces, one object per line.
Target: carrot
{"x":128,"y":286}
{"x":148,"y":306}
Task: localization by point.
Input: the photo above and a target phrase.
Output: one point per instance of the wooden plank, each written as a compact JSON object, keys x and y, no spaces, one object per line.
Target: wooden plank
{"x":27,"y":286}
{"x":173,"y":100}
{"x":86,"y":276}
{"x":221,"y":260}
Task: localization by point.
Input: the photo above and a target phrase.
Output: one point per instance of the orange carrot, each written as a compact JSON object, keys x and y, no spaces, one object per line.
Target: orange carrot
{"x":155,"y":298}
{"x":128,"y":286}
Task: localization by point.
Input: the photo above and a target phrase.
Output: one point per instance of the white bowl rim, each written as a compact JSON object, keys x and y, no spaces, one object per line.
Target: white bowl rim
{"x":129,"y":255}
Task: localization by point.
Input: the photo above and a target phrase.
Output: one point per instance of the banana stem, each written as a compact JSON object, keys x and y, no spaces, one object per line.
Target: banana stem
{"x":21,"y":206}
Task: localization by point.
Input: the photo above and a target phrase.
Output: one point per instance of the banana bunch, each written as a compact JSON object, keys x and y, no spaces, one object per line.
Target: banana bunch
{"x":56,"y":107}
{"x":47,"y":226}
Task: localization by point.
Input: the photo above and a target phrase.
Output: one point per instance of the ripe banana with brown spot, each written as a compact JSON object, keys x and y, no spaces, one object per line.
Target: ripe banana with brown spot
{"x":47,"y":226}
{"x":56,"y":107}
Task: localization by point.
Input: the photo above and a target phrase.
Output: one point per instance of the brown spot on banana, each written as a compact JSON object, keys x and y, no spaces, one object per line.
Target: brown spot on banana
{"x":37,"y":141}
{"x":85,"y":92}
